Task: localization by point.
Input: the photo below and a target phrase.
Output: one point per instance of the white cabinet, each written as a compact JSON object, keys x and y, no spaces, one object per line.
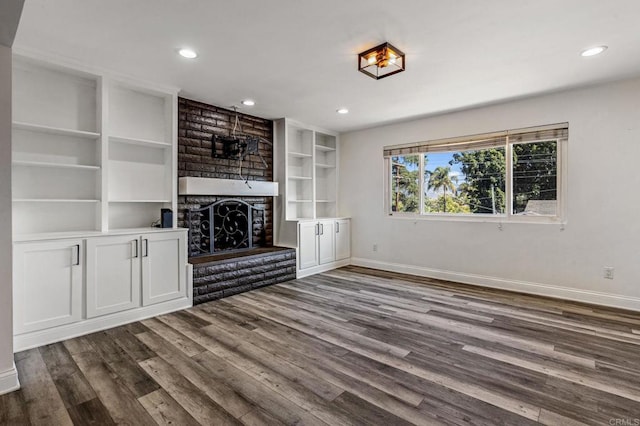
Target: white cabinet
{"x":343,"y":239}
{"x":125,"y":272}
{"x":307,"y":244}
{"x":316,"y":243}
{"x":113,"y":274}
{"x":163,"y":263}
{"x":47,"y":284}
{"x":326,"y":242}
{"x":67,"y":287}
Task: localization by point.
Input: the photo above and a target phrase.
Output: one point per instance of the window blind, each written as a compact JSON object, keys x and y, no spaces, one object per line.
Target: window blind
{"x":481,"y":141}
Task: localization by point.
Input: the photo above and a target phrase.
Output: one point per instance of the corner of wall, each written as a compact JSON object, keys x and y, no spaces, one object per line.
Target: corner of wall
{"x":9,"y":380}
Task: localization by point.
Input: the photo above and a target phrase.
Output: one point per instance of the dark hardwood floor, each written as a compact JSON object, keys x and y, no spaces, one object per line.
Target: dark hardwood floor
{"x":352,"y":346}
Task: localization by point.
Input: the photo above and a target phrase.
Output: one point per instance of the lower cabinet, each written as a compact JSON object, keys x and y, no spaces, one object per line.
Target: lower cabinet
{"x":322,"y":243}
{"x":128,"y":276}
{"x":307,"y":244}
{"x":163,"y":274}
{"x":125,"y":272}
{"x":47,"y":289}
{"x":343,"y":239}
{"x":326,"y":242}
{"x":113,"y":274}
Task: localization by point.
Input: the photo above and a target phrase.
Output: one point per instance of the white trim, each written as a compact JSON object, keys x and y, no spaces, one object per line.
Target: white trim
{"x":301,"y":273}
{"x":9,"y":380}
{"x":44,"y":337}
{"x":539,"y":289}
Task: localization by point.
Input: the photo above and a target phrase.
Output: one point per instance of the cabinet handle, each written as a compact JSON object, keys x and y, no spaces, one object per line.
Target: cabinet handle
{"x":337,"y":227}
{"x":77,"y":249}
{"x":322,"y":229}
{"x":317,"y":229}
{"x":145,"y":252}
{"x":135,"y":244}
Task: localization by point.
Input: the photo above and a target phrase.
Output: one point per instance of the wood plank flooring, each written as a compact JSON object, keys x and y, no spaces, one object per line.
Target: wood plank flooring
{"x":348,"y":347}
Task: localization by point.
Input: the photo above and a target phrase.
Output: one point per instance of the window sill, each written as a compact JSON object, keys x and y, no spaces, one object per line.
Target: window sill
{"x":534,"y":220}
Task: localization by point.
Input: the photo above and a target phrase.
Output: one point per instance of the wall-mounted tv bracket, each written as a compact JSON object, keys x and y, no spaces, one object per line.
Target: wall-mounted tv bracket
{"x":237,"y":148}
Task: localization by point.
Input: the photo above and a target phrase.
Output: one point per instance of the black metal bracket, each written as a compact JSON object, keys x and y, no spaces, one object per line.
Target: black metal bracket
{"x":234,"y":148}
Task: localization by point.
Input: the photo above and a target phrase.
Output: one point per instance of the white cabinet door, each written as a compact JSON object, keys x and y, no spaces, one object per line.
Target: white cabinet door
{"x":326,"y":242}
{"x":307,"y":244}
{"x":113,"y":274}
{"x":343,"y":239}
{"x":47,"y":288}
{"x":163,"y":267}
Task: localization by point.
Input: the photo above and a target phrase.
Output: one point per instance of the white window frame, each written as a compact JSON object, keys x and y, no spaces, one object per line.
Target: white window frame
{"x":508,"y":216}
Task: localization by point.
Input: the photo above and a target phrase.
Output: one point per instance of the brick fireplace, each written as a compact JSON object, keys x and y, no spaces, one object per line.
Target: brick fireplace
{"x":202,"y":131}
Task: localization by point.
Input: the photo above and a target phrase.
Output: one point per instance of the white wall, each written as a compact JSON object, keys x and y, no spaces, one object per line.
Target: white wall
{"x":8,"y":376}
{"x":603,"y":211}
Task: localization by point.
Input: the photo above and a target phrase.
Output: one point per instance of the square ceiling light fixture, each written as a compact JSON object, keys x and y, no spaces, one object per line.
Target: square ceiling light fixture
{"x":381,"y":61}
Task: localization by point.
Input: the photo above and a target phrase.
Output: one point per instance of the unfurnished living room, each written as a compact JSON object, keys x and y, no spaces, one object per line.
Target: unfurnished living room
{"x":333,"y":212}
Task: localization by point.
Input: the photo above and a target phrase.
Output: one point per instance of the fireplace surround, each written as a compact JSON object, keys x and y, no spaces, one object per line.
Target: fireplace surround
{"x":225,"y":261}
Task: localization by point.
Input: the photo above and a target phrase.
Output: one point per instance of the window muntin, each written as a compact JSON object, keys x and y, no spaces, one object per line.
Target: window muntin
{"x":512,"y":174}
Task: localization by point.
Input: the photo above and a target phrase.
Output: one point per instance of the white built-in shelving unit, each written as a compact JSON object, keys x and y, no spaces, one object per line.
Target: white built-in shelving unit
{"x":56,"y":149}
{"x":306,"y":211}
{"x":93,"y":162}
{"x":90,"y":152}
{"x":308,"y":170}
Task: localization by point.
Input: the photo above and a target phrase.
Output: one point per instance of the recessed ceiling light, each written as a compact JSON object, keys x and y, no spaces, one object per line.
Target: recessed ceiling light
{"x":248,"y":102}
{"x":342,"y":111}
{"x":187,"y":53}
{"x":592,"y":51}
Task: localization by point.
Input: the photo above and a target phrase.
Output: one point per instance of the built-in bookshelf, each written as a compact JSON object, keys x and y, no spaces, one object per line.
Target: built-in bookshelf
{"x":307,"y":166}
{"x":90,"y":153}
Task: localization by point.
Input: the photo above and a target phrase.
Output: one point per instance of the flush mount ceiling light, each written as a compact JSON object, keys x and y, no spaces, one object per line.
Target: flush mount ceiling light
{"x":342,"y":111}
{"x":187,"y":53}
{"x":592,"y":51}
{"x":248,"y":102}
{"x":381,"y":61}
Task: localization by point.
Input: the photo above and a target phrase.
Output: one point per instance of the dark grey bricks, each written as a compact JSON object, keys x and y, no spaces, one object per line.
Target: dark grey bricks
{"x":217,"y":279}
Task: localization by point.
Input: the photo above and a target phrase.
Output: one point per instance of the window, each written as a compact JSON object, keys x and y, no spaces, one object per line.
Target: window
{"x":513,"y":174}
{"x":405,"y":183}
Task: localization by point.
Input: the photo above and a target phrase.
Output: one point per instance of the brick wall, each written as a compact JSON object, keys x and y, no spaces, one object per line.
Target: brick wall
{"x":197,"y":122}
{"x":223,"y":278}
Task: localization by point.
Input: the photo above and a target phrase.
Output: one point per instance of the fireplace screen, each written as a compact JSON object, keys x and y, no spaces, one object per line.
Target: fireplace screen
{"x":225,"y":225}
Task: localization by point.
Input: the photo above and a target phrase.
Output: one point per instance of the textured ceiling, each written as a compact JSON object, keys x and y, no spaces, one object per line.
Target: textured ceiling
{"x":297,"y":58}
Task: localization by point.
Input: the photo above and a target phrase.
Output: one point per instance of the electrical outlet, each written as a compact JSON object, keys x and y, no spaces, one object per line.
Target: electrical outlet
{"x":375,"y":247}
{"x":608,"y":272}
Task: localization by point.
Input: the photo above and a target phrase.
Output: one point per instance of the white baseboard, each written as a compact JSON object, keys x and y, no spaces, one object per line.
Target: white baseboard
{"x":9,"y":380}
{"x":558,"y":292}
{"x":51,"y":335}
{"x":301,"y":273}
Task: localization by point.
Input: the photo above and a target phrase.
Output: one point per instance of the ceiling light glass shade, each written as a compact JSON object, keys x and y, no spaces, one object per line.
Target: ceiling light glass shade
{"x":592,"y":51}
{"x":381,"y":61}
{"x":342,"y":111}
{"x":188,"y":53}
{"x":248,"y":102}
